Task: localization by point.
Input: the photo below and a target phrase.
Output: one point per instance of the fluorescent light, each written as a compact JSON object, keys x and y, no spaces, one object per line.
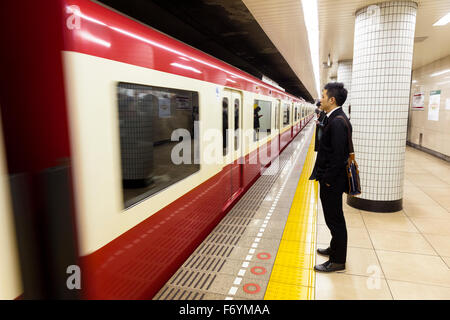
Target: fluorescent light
{"x":439,"y":73}
{"x":443,"y":82}
{"x":87,"y":36}
{"x":182,"y":66}
{"x":443,"y":21}
{"x":311,"y":16}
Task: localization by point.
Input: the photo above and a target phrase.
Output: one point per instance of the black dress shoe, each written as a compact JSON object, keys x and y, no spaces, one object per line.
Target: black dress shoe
{"x":329,"y":266}
{"x":324,"y":252}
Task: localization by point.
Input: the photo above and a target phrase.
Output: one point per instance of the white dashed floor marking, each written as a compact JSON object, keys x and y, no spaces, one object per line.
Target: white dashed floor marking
{"x":245,"y":264}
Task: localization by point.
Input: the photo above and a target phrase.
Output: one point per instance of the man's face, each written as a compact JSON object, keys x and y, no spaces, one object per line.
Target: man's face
{"x":327,"y":103}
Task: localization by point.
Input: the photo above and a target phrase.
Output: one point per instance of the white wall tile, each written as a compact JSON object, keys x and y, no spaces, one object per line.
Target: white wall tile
{"x":380,"y":80}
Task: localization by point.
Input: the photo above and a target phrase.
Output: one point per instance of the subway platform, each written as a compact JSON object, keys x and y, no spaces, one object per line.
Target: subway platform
{"x":265,"y":247}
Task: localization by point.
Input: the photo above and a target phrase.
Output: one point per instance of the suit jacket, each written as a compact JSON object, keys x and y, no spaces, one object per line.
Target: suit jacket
{"x":333,"y":153}
{"x":319,"y":130}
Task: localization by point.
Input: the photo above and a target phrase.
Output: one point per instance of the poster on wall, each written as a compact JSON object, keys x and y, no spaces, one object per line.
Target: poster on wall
{"x":418,"y":101}
{"x":433,"y":105}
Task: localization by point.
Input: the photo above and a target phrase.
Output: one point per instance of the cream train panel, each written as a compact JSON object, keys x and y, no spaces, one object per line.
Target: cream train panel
{"x":10,"y":281}
{"x":91,"y":90}
{"x":93,"y":119}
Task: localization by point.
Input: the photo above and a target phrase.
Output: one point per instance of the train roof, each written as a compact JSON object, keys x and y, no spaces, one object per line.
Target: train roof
{"x":97,"y":30}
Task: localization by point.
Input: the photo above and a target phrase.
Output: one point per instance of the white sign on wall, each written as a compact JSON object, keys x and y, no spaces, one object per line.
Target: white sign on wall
{"x":433,"y":105}
{"x":447,"y":104}
{"x":418,"y":101}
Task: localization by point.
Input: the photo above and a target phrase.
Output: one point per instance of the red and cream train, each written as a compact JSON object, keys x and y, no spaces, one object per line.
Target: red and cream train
{"x":94,"y":89}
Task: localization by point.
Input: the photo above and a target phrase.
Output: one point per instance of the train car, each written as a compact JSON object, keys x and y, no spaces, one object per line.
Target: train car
{"x":161,"y":140}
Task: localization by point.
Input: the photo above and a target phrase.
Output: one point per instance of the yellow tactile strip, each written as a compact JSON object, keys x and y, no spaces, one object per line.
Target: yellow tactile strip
{"x":292,"y":276}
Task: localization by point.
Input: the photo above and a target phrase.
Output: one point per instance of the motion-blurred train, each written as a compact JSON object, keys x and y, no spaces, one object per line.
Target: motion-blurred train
{"x":92,"y":204}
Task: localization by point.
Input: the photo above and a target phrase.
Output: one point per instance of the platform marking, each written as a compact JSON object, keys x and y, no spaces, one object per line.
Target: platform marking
{"x":241,"y":272}
{"x":233,"y":290}
{"x":245,"y":264}
{"x":293,"y":278}
{"x":258,"y":270}
{"x":256,"y":287}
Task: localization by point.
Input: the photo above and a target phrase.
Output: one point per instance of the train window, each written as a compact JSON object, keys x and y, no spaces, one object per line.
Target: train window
{"x":286,"y":114}
{"x":262,"y":119}
{"x":236,"y":124}
{"x":148,"y":117}
{"x":296,"y":113}
{"x":225,"y":108}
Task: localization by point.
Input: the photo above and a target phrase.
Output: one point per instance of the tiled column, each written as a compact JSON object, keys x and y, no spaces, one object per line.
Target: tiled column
{"x":344,"y":75}
{"x":382,"y":61}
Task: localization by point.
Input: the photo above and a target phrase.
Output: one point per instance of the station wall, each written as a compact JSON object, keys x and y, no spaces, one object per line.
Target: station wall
{"x":428,"y":127}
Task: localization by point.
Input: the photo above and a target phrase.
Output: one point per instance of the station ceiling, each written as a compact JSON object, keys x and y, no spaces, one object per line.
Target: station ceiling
{"x":269,"y":36}
{"x":226,"y":30}
{"x":337,"y":24}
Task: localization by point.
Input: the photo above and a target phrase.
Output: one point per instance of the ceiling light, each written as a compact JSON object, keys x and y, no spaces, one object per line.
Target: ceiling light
{"x":311,"y":16}
{"x":443,"y":21}
{"x":439,"y":73}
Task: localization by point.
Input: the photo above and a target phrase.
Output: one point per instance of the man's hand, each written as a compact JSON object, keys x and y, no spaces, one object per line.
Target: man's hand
{"x":328,"y":185}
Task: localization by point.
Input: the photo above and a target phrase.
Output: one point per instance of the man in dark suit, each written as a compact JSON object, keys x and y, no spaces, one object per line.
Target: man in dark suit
{"x":319,"y":125}
{"x":331,"y":173}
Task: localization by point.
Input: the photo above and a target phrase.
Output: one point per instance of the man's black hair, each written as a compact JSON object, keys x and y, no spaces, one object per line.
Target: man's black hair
{"x":336,"y":90}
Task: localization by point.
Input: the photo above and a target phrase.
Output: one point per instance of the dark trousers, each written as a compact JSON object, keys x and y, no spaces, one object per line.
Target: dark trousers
{"x":334,"y":218}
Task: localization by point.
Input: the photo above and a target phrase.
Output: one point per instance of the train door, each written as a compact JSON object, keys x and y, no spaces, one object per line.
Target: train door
{"x":291,"y":120}
{"x":296,"y":117}
{"x":302,"y":107}
{"x":233,"y":101}
{"x":277,"y":122}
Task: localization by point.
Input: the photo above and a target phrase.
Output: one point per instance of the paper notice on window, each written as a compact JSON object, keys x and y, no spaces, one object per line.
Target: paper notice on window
{"x":164,"y":107}
{"x":433,"y":105}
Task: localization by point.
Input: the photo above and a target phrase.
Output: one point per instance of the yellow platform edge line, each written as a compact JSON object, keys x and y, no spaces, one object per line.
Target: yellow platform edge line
{"x":303,"y":209}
